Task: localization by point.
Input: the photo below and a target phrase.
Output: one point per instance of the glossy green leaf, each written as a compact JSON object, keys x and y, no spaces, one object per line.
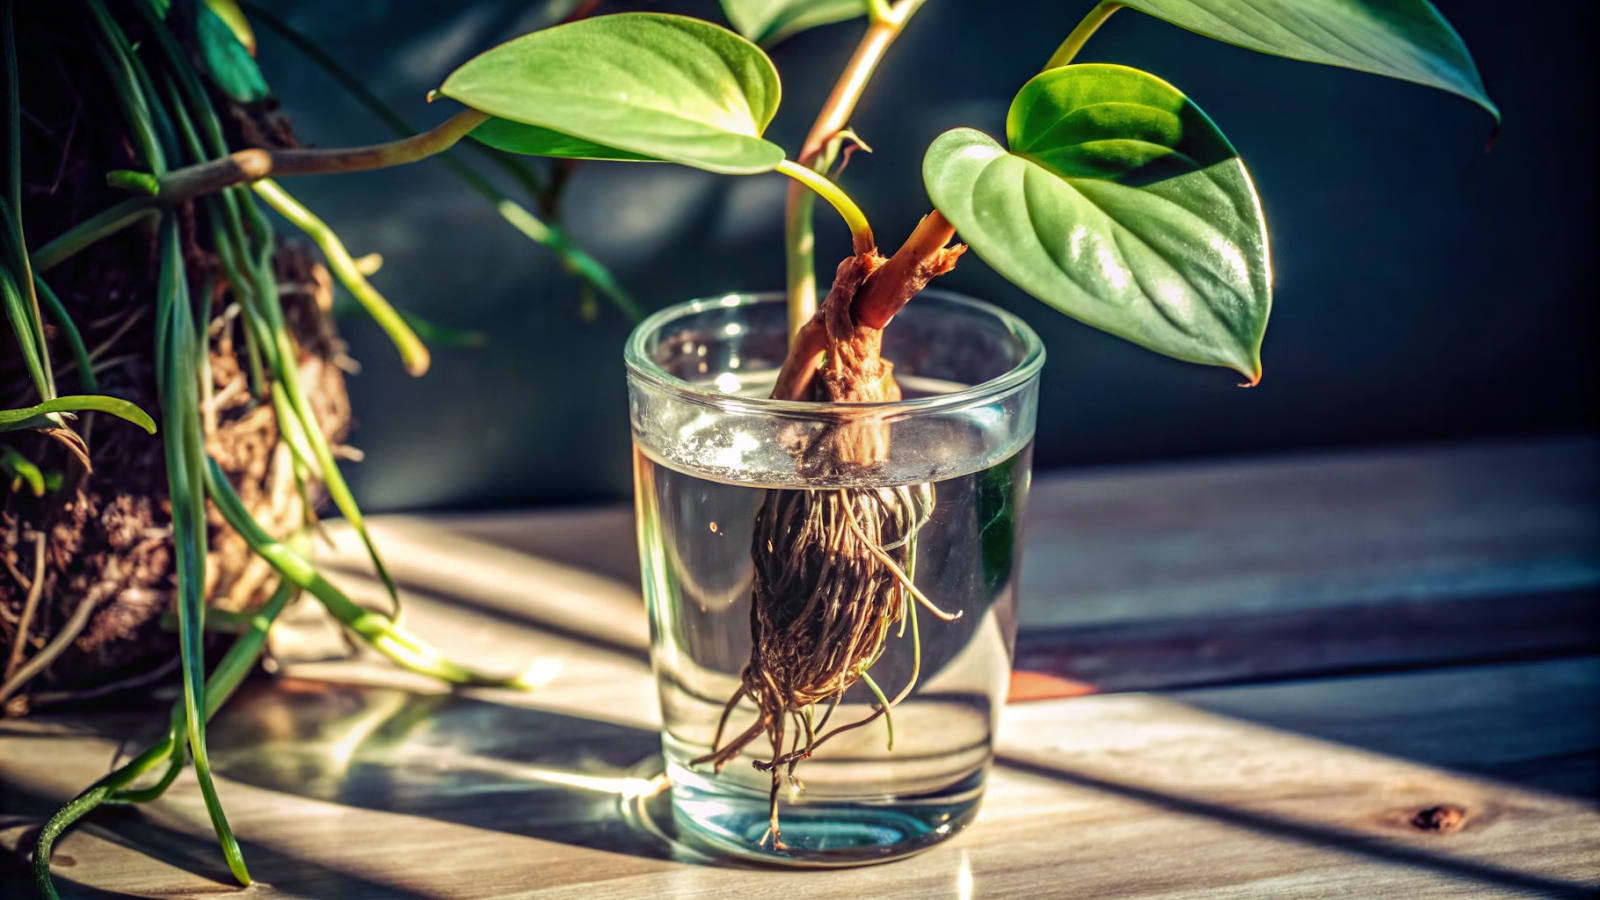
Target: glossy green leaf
{"x":531,"y":140}
{"x":1405,"y":39}
{"x":770,"y":21}
{"x":36,"y":416}
{"x":228,"y":61}
{"x":655,"y":86}
{"x":162,"y":7}
{"x":1120,"y":204}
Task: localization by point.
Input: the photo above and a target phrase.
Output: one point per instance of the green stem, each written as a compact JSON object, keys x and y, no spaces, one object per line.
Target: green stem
{"x":799,"y":240}
{"x":860,"y":230}
{"x":514,"y":213}
{"x":1069,"y":48}
{"x":230,"y":672}
{"x":585,"y":265}
{"x":412,"y":351}
{"x":287,"y":373}
{"x":25,"y":327}
{"x":883,"y":704}
{"x":95,"y":228}
{"x":177,"y":385}
{"x":384,"y":635}
{"x":80,"y":353}
{"x":245,"y":166}
{"x":384,"y":113}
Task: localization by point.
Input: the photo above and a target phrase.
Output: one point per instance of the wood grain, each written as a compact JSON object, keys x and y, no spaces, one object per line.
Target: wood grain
{"x":1166,"y":576}
{"x":367,"y":792}
{"x":347,"y":779}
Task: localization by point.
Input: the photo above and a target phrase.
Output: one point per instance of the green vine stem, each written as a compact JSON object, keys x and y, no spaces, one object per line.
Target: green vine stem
{"x":412,"y":351}
{"x":515,"y":214}
{"x":244,"y":166}
{"x":381,"y":632}
{"x":860,"y":230}
{"x":1080,"y":35}
{"x":97,"y":227}
{"x":230,"y":672}
{"x":799,"y":241}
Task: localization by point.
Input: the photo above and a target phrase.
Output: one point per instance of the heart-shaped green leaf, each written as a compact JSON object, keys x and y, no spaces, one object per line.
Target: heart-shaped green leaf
{"x":770,"y":21}
{"x":1405,"y":39}
{"x":38,"y":416}
{"x":1120,"y":204}
{"x":648,"y":85}
{"x":531,"y":140}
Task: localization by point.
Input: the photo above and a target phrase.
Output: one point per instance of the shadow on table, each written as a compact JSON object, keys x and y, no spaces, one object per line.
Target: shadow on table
{"x":129,"y":827}
{"x":1524,"y":723}
{"x":512,"y":769}
{"x":1283,"y":827}
{"x":567,"y":779}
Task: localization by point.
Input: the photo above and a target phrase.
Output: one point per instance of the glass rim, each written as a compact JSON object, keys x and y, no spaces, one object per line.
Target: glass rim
{"x":642,"y":367}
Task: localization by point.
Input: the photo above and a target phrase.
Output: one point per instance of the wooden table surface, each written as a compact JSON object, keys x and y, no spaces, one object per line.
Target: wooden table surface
{"x":1367,"y":674}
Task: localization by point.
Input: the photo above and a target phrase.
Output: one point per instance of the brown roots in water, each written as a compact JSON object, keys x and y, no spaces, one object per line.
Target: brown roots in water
{"x":834,"y":568}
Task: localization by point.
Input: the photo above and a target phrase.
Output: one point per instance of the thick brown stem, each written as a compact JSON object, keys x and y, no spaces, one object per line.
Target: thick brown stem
{"x":873,"y":291}
{"x":919,"y":260}
{"x":255,"y":164}
{"x":833,"y":117}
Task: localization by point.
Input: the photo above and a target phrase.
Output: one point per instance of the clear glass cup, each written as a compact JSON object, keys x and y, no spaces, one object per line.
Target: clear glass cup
{"x":710,"y":450}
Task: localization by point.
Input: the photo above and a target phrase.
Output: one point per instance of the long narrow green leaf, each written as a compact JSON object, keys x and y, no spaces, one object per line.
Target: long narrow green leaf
{"x":22,"y":304}
{"x":247,"y":262}
{"x":23,"y":317}
{"x":116,"y":56}
{"x":20,"y":470}
{"x":97,"y":227}
{"x":230,"y":672}
{"x":288,"y":378}
{"x":382,"y":633}
{"x":235,"y":664}
{"x":178,"y":386}
{"x":63,"y":321}
{"x":36,"y":416}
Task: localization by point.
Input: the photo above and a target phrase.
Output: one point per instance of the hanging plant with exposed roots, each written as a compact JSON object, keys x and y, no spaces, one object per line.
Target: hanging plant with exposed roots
{"x":177,"y":297}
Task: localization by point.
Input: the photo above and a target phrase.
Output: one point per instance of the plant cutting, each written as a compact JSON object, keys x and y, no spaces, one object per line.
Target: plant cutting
{"x":1112,"y":198}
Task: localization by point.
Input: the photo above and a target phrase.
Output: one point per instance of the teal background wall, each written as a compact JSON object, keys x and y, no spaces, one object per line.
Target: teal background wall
{"x":1425,"y":290}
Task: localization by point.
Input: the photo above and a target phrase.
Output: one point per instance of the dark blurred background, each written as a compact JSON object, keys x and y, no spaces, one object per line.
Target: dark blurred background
{"x":1425,"y":290}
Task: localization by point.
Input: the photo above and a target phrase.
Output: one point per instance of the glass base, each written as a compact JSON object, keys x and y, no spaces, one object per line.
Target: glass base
{"x":818,"y":834}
